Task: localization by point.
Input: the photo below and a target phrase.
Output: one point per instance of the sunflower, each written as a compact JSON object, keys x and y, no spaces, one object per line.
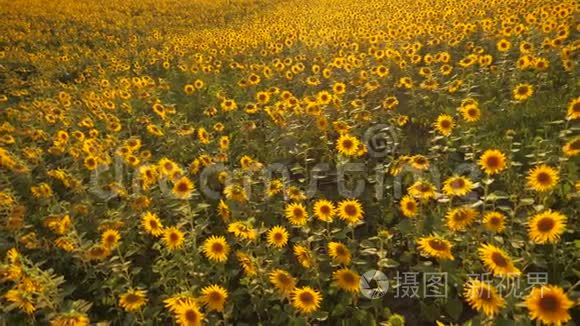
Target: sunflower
{"x":422,"y":189}
{"x":223,"y":210}
{"x":543,"y":178}
{"x":183,"y":188}
{"x":444,"y":124}
{"x":470,"y":113}
{"x":434,"y":246}
{"x":546,"y":227}
{"x":483,"y":297}
{"x":323,"y":98}
{"x":242,"y":230}
{"x":214,"y":297}
{"x":572,"y":147}
{"x":274,"y":187}
{"x":497,"y":261}
{"x":173,"y":238}
{"x":419,"y":162}
{"x":216,"y":248}
{"x":457,"y":186}
{"x":523,"y":91}
{"x":167,"y":167}
{"x":277,"y":236}
{"x":306,"y":299}
{"x":324,"y":210}
{"x":339,"y":88}
{"x":503,"y":45}
{"x":173,"y":302}
{"x":188,"y":314}
{"x":492,"y":161}
{"x":152,"y":224}
{"x":296,"y":214}
{"x":549,"y":304}
{"x":91,"y":163}
{"x":574,"y":109}
{"x":304,"y":256}
{"x":350,"y":210}
{"x":97,"y":252}
{"x":21,"y":299}
{"x":494,"y":221}
{"x":236,"y":192}
{"x":458,"y":219}
{"x":339,"y":253}
{"x":283,"y":281}
{"x":347,"y":280}
{"x":347,"y":145}
{"x":295,"y":193}
{"x":390,"y":103}
{"x":155,"y":130}
{"x":110,"y":239}
{"x":247,"y":263}
{"x":409,"y":206}
{"x":133,"y":299}
{"x":70,"y":319}
{"x":402,"y":120}
{"x":188,"y":89}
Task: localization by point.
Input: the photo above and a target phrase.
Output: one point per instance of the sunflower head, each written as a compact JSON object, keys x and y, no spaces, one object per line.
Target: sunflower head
{"x":549,"y":304}
{"x":306,"y":299}
{"x":492,"y":161}
{"x":546,"y":227}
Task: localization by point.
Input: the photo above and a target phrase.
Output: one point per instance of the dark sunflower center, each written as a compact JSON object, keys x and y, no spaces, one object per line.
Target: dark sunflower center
{"x":325,"y":210}
{"x":544,"y":178}
{"x":191,"y":315}
{"x":283,"y":279}
{"x":132,"y":298}
{"x":546,"y":224}
{"x":460,"y":216}
{"x":182,"y":187}
{"x":217,"y":247}
{"x":347,"y":144}
{"x":498,"y":259}
{"x":424,"y":188}
{"x":523,"y":90}
{"x":437,"y":245}
{"x":420,"y":160}
{"x":306,"y":298}
{"x":411,"y":205}
{"x":484,"y":293}
{"x":549,"y":303}
{"x":298,"y":213}
{"x":173,"y":237}
{"x":458,"y":184}
{"x":493,"y":161}
{"x":348,"y":278}
{"x":215,"y":297}
{"x":278,"y":236}
{"x":350,"y":210}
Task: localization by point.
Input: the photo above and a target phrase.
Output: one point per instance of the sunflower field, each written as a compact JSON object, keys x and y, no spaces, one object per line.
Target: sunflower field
{"x":289,"y":162}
